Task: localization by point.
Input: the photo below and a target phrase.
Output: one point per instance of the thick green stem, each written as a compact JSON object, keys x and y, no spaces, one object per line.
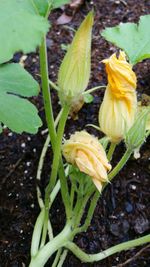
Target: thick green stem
{"x":84,"y":257}
{"x":41,"y":163}
{"x":120,"y":165}
{"x":55,"y":166}
{"x":57,"y":152}
{"x":111,"y":151}
{"x":49,"y":114}
{"x":51,"y":247}
{"x":46,"y":92}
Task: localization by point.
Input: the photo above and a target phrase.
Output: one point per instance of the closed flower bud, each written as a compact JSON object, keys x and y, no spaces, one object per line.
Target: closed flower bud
{"x":135,"y":137}
{"x":74,"y":72}
{"x":85,"y":151}
{"x":119,"y":106}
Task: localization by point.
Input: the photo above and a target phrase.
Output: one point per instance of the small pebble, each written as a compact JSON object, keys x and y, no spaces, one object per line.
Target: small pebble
{"x":133,"y":187}
{"x":128,"y":207}
{"x":141,"y":225}
{"x":23,"y":145}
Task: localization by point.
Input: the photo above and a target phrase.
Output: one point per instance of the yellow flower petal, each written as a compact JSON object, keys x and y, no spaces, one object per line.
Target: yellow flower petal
{"x":121,"y":78}
{"x":115,"y":118}
{"x":85,"y":151}
{"x":118,"y":110}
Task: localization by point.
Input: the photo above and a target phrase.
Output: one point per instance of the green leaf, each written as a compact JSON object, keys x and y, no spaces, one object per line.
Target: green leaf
{"x":59,"y":3}
{"x":88,"y":98}
{"x":133,"y":38}
{"x":42,"y":6}
{"x":17,"y":113}
{"x":21,"y":28}
{"x":14,"y":79}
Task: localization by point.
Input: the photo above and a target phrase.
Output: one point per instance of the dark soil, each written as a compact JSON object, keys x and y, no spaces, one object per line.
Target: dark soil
{"x":123,"y":212}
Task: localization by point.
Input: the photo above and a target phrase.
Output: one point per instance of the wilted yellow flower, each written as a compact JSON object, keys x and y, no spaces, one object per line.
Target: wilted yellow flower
{"x":119,"y":106}
{"x":74,"y":72}
{"x":85,"y":151}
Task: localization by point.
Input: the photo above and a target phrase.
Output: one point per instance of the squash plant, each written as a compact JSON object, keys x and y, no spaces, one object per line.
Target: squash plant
{"x":23,"y":27}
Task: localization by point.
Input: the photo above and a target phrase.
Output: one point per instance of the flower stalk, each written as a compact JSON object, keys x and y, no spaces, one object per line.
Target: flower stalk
{"x":84,"y":257}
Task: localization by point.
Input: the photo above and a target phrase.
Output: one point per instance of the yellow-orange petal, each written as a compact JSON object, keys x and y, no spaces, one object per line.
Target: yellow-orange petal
{"x":121,"y":77}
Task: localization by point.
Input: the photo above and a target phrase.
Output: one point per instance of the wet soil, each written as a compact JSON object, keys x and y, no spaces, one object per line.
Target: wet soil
{"x":123,"y":212}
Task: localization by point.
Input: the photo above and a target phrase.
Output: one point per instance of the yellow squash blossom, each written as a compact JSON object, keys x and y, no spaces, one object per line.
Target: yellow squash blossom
{"x":119,"y":106}
{"x":85,"y":151}
{"x":74,"y":72}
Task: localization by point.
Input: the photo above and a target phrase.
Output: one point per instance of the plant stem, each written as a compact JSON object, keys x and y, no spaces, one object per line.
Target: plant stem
{"x":55,"y":165}
{"x":53,"y":85}
{"x":54,"y":192}
{"x":56,"y":243}
{"x":41,"y":162}
{"x":46,"y":92}
{"x":72,"y":193}
{"x":90,"y":214}
{"x":57,"y":151}
{"x":57,"y":257}
{"x":62,"y":258}
{"x":84,"y":257}
{"x":49,"y":113}
{"x":37,"y":233}
{"x":120,"y":164}
{"x":111,"y":151}
{"x":114,"y":172}
{"x":79,"y":209}
{"x":93,"y":89}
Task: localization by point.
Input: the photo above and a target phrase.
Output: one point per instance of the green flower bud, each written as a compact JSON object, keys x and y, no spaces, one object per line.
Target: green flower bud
{"x":74,"y":72}
{"x":135,"y":137}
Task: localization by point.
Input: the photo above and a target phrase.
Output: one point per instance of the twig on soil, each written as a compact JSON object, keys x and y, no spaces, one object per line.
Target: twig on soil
{"x":12,"y":170}
{"x":134,"y":257}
